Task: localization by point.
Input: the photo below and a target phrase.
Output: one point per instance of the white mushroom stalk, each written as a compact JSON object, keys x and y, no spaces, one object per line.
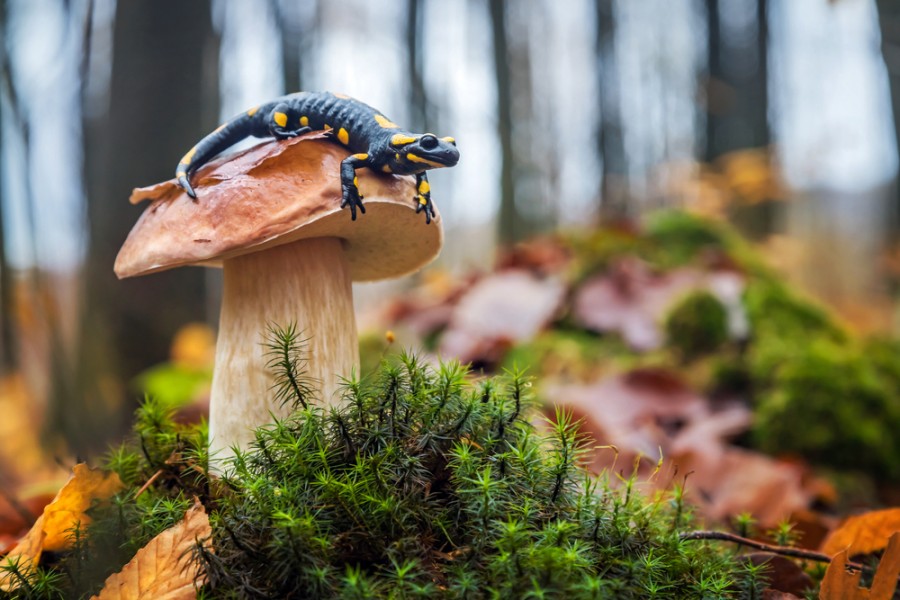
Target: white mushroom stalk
{"x":306,"y":283}
{"x":271,"y":216}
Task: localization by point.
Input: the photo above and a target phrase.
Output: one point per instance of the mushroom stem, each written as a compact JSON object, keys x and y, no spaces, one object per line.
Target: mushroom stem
{"x":306,"y":282}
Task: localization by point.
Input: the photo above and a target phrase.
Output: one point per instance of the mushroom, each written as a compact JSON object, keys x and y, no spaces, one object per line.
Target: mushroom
{"x":270,"y":216}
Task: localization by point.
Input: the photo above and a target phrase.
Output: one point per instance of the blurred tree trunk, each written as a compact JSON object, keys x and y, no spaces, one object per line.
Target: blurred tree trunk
{"x":737,"y":103}
{"x":889,"y":24}
{"x":290,"y":27}
{"x":509,"y":218}
{"x":7,"y":339}
{"x":737,"y":83}
{"x":613,"y":190}
{"x":419,"y":108}
{"x":163,"y":97}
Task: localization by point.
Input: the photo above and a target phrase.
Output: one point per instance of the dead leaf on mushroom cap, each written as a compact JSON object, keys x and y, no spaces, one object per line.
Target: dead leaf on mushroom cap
{"x":53,"y":529}
{"x":863,"y":534}
{"x":164,"y":569}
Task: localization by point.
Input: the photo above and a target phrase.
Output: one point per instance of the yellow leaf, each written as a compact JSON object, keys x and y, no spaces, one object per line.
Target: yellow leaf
{"x":863,"y":534}
{"x":53,"y":529}
{"x":839,"y":584}
{"x":163,"y":569}
{"x":68,"y":508}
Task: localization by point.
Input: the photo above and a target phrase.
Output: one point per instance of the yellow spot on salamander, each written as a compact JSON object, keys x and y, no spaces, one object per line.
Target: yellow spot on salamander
{"x":356,"y":181}
{"x":304,"y":121}
{"x":398,"y":139}
{"x":424,"y":188}
{"x":423,"y":200}
{"x":385,"y":122}
{"x":341,"y":96}
{"x":397,"y":156}
{"x":449,"y":140}
{"x":187,"y":158}
{"x":361,"y":156}
{"x":181,"y":174}
{"x":343,"y":136}
{"x":418,"y":159}
{"x":387,"y":169}
{"x":252,"y":111}
{"x":328,"y":127}
{"x":280,"y":119}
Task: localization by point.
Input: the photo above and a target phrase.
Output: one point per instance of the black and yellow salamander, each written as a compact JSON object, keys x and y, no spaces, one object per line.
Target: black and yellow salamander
{"x":376,"y":141}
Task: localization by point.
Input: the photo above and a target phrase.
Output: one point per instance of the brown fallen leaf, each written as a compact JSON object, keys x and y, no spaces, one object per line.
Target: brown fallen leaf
{"x":508,"y":307}
{"x":840,"y":584}
{"x":863,"y":534}
{"x":164,"y":569}
{"x":52,"y":530}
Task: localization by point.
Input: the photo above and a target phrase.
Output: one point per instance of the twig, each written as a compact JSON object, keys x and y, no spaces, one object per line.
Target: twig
{"x":149,"y":482}
{"x":783,"y":550}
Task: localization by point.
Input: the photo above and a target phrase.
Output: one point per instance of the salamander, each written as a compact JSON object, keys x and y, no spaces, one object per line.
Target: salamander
{"x":375,"y":141}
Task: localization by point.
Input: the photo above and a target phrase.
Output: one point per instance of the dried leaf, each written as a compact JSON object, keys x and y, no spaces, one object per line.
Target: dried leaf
{"x":507,"y":307}
{"x":52,"y":530}
{"x":632,"y":300}
{"x":863,"y":534}
{"x":839,"y":584}
{"x":163,"y":569}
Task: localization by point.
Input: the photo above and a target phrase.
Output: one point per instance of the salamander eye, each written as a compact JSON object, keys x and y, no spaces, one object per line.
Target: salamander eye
{"x":428,"y":142}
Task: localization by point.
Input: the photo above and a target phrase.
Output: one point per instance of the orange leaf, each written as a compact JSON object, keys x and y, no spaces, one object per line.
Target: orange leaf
{"x":863,"y":534}
{"x":163,"y":569}
{"x":839,"y":584}
{"x":52,"y":530}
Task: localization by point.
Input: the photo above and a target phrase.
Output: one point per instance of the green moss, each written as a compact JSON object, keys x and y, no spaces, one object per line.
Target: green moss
{"x":697,"y":325}
{"x":832,"y":405}
{"x":423,"y":483}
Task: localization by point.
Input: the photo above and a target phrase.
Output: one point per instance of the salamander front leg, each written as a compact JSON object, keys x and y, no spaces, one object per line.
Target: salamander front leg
{"x":281,"y":126}
{"x":423,"y":197}
{"x":350,"y":195}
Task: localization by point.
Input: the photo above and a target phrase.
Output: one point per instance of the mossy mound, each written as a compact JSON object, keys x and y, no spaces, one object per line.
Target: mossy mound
{"x":817,"y":390}
{"x":423,"y":483}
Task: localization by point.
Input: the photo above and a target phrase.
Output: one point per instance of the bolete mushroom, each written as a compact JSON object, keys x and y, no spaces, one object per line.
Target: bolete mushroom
{"x":271,"y":217}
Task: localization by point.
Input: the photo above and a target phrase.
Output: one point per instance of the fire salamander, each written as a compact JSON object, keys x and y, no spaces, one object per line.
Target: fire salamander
{"x":376,"y":141}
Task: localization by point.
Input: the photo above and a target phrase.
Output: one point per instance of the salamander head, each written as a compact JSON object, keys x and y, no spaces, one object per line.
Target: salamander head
{"x":416,"y":153}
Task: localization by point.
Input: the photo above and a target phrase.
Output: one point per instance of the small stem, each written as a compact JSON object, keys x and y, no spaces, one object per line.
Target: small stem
{"x":149,"y":482}
{"x":782,"y":550}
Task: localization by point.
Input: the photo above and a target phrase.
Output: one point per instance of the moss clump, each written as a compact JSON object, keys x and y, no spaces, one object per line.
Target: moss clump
{"x":697,"y":325}
{"x":423,"y":484}
{"x":850,"y":412}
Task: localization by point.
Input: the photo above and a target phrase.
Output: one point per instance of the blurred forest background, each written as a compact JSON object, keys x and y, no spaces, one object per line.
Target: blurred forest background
{"x":781,"y":116}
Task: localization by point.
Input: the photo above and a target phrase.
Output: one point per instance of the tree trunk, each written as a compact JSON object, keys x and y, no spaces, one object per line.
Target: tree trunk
{"x":737,"y":84}
{"x":613,"y":191}
{"x":509,"y":218}
{"x":162,"y":100}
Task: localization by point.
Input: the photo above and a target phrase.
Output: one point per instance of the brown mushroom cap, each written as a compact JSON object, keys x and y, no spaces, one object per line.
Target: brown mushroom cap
{"x":275,"y":193}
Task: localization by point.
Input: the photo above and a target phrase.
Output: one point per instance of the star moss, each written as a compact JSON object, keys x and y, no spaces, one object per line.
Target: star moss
{"x":423,"y":482}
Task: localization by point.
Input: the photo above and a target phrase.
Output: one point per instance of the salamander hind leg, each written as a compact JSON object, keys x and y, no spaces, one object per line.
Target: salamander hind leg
{"x":284,"y":123}
{"x":423,"y":197}
{"x":350,"y":195}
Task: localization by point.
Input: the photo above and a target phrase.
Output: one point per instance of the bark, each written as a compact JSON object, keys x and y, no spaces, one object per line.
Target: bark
{"x":613,"y":192}
{"x":162,"y":99}
{"x":509,"y":218}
